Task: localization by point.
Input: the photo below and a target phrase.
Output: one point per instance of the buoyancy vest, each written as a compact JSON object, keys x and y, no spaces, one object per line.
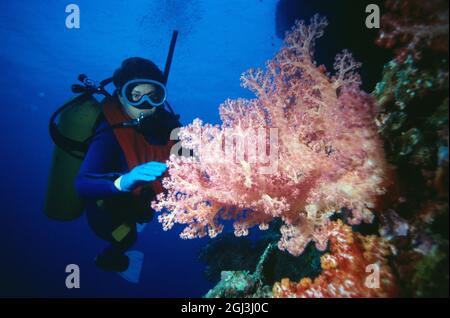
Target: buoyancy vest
{"x":136,"y":148}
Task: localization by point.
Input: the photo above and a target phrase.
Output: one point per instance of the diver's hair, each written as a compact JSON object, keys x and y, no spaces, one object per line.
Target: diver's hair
{"x":136,"y":67}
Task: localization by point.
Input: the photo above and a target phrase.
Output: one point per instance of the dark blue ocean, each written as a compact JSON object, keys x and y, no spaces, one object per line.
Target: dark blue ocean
{"x":40,"y":58}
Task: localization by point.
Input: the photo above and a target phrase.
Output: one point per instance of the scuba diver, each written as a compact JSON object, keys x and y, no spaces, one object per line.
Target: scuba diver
{"x":121,"y":172}
{"x":109,"y":157}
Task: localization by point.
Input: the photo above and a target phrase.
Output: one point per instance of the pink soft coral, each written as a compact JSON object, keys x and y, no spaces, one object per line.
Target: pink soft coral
{"x":304,"y":148}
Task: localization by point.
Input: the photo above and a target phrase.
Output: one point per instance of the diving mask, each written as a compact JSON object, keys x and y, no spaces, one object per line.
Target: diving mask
{"x":144,"y":93}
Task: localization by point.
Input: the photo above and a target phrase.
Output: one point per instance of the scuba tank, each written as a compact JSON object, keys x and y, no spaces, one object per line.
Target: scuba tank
{"x":77,"y":120}
{"x":71,"y":128}
{"x":61,"y":202}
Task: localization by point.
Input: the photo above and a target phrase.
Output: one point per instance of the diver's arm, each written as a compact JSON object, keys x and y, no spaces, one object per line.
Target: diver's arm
{"x":99,"y":170}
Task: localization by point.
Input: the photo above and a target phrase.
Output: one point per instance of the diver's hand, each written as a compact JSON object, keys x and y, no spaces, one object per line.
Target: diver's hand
{"x":141,"y":174}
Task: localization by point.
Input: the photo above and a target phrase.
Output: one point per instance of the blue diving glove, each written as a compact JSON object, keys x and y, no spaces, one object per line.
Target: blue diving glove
{"x":141,"y":174}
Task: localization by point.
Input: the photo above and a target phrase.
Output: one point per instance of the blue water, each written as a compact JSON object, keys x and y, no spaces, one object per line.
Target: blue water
{"x":40,"y":58}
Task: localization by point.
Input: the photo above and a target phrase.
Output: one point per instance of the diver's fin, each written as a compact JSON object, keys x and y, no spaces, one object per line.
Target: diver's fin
{"x":140,"y":227}
{"x":133,"y":273}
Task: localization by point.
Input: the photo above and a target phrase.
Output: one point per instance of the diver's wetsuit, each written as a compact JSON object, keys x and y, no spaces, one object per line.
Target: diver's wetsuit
{"x":107,"y":207}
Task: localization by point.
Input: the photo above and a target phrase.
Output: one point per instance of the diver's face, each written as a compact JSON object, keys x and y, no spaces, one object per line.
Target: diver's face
{"x":136,"y":94}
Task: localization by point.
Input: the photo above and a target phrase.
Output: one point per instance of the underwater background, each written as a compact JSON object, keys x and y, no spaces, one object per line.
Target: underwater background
{"x":218,"y":40}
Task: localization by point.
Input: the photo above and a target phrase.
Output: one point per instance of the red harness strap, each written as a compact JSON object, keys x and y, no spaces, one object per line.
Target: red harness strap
{"x":134,"y":145}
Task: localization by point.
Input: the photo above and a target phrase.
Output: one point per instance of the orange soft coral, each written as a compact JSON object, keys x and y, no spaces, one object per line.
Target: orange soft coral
{"x":347,"y":270}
